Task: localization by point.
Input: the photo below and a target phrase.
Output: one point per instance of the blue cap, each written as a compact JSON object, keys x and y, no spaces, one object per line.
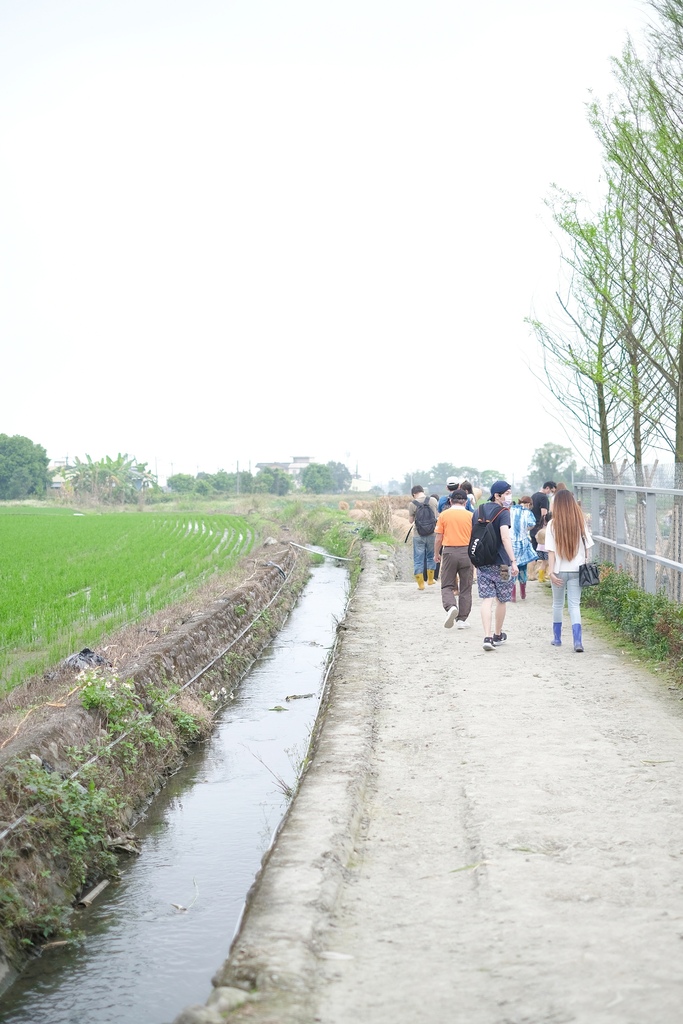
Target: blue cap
{"x":500,"y":487}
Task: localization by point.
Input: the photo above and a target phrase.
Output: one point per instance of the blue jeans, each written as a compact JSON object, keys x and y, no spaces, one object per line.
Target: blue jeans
{"x":570,"y":585}
{"x":423,"y":546}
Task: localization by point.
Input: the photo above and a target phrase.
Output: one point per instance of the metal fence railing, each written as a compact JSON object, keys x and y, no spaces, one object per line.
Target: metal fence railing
{"x":639,"y":529}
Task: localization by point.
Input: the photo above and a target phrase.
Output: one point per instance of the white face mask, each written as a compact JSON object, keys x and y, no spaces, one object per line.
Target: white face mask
{"x":507,"y":500}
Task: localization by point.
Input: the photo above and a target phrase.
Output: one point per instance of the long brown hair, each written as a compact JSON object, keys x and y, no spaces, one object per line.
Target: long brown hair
{"x":569,"y":525}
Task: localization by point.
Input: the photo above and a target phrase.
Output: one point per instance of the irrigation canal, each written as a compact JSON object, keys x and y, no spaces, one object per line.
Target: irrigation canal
{"x":142,"y":958}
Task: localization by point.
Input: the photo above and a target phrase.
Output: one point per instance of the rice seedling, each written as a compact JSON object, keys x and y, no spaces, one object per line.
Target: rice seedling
{"x":66,"y":580}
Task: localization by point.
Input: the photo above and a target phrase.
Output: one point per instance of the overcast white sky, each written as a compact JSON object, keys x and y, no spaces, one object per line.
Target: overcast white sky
{"x":253,"y":229}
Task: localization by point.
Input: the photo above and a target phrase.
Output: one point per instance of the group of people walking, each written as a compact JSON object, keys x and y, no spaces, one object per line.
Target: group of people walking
{"x":547,"y":527}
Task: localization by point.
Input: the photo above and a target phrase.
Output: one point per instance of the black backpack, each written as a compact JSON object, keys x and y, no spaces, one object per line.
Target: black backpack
{"x":425,"y":517}
{"x":483,"y":548}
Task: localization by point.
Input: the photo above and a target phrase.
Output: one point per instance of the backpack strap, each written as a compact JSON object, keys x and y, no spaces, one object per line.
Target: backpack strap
{"x":482,"y":518}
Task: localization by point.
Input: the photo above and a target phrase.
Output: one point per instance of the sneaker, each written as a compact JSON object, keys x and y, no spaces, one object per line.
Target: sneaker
{"x":489,"y":644}
{"x":462,"y":624}
{"x":450,"y":616}
{"x":499,"y":638}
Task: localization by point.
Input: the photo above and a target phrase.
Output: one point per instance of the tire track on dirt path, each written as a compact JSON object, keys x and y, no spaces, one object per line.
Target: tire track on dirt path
{"x":505,"y":829}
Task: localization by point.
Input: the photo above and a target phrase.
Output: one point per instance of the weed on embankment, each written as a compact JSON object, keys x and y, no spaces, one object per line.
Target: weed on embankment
{"x":68,"y":819}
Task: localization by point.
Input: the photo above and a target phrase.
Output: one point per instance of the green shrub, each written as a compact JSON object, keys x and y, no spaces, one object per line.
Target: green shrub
{"x":650,"y":621}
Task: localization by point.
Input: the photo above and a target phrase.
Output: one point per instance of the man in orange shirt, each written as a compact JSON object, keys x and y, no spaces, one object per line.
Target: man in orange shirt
{"x":451,"y":541}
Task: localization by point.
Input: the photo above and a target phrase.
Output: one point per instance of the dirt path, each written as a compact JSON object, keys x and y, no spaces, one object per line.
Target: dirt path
{"x":483,"y":838}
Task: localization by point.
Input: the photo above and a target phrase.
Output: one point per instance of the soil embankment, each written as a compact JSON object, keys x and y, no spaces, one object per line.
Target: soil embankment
{"x":483,"y":838}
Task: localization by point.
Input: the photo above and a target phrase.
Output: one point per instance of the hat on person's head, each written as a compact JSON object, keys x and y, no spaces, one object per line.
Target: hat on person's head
{"x":451,"y":480}
{"x":500,"y":487}
{"x":458,"y":496}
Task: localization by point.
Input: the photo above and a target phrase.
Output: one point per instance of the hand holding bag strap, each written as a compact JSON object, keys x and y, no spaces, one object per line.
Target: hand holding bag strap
{"x":585,"y":551}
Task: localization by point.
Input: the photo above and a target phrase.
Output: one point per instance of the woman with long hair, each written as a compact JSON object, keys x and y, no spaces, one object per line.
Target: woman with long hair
{"x":567,"y":541}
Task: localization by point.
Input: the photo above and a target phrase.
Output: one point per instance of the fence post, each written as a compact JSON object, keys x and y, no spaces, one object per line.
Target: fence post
{"x":596,"y":525}
{"x":620,"y":525}
{"x":651,"y":541}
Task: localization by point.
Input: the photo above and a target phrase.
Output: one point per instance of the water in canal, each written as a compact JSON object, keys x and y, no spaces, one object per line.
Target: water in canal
{"x":141,"y":959}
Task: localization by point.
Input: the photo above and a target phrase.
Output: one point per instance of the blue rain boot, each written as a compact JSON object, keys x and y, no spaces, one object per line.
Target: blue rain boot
{"x":557,"y":634}
{"x":578,"y":640}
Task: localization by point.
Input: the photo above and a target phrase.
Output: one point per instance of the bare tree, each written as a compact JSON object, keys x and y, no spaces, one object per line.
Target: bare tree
{"x":642,"y":136}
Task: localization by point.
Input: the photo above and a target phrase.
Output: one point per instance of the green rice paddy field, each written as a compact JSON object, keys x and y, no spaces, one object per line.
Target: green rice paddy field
{"x":67,"y":579}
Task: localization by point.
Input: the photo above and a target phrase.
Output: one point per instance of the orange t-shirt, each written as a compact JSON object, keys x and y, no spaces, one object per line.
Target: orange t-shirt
{"x":455,"y":523}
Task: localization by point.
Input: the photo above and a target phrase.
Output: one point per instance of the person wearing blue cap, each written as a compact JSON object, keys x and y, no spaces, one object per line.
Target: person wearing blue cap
{"x":495,"y":582}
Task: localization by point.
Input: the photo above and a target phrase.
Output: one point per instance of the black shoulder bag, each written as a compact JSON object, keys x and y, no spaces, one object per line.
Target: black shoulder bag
{"x":589,"y":572}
